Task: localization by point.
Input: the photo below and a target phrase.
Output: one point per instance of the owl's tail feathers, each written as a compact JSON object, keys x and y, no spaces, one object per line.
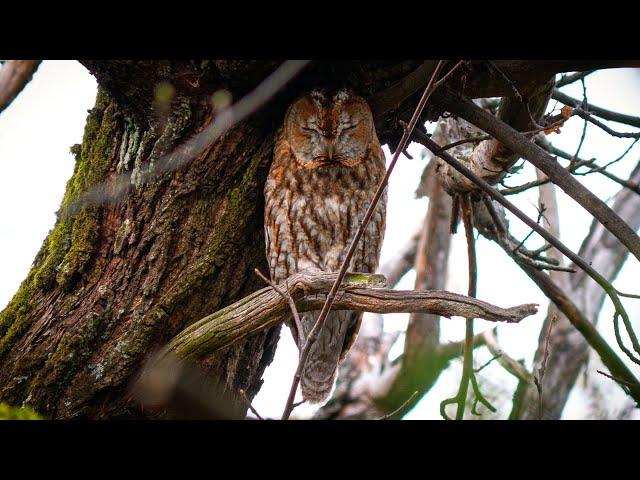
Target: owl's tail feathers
{"x":321,"y":367}
{"x":317,"y":380}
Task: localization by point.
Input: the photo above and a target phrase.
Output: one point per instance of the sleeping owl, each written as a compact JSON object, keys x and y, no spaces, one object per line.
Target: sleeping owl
{"x":326,"y":167}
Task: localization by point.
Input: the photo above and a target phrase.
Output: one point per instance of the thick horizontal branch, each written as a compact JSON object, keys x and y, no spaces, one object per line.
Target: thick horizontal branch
{"x":361,"y":292}
{"x":482,"y":82}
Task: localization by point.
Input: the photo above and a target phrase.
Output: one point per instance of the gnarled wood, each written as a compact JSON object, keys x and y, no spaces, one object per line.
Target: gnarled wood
{"x":266,"y":308}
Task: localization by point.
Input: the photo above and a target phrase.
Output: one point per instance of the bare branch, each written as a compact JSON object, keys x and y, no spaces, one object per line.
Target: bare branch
{"x":573,"y":77}
{"x":14,"y":76}
{"x":360,"y":292}
{"x":467,"y":361}
{"x":600,"y":112}
{"x":589,"y":118}
{"x":287,"y":297}
{"x":603,"y":282}
{"x":512,"y":366}
{"x":516,"y":142}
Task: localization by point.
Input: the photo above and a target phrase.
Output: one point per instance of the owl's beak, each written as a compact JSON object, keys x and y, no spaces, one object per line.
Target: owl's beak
{"x":330,"y":150}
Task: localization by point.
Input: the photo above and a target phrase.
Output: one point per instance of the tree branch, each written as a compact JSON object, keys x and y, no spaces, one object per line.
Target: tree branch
{"x":573,"y":77}
{"x":579,"y":261}
{"x":600,"y":112}
{"x":14,"y":76}
{"x":360,"y":292}
{"x":518,"y":143}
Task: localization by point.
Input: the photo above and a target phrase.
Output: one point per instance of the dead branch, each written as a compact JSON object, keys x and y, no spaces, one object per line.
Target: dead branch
{"x":467,"y":362}
{"x":360,"y":292}
{"x":512,"y":366}
{"x":573,"y":77}
{"x":14,"y":76}
{"x":589,"y":118}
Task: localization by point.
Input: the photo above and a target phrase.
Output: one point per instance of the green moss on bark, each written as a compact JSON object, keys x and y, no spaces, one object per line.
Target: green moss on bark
{"x":69,"y":246}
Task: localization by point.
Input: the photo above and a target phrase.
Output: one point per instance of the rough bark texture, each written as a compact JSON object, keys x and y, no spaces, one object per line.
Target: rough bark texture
{"x":114,"y":282}
{"x":110,"y":284}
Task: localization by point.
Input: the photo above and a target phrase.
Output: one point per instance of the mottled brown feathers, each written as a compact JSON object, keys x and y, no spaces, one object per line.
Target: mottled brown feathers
{"x":327,"y":165}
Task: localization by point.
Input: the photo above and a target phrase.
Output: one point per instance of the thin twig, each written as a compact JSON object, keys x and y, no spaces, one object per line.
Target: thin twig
{"x":449,"y":73}
{"x":519,"y":95}
{"x":511,"y":365}
{"x":588,"y":117}
{"x":479,"y":397}
{"x":400,"y":408}
{"x":354,"y":243}
{"x":538,"y":379}
{"x":584,"y":127}
{"x":618,"y":380}
{"x":467,"y":361}
{"x":594,"y":168}
{"x":595,"y":110}
{"x":486,"y":364}
{"x":292,"y":304}
{"x":243,"y":395}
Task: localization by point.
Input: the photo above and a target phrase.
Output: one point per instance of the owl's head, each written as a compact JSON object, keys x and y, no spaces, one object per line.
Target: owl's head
{"x":326,"y":130}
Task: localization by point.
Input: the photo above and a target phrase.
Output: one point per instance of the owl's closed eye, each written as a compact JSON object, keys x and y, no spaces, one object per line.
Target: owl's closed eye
{"x":325,"y":130}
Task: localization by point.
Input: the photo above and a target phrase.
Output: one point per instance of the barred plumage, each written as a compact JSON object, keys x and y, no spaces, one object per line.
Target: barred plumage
{"x":327,"y":165}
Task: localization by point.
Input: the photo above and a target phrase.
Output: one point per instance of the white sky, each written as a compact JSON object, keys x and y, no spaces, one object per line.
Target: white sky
{"x":48,"y":117}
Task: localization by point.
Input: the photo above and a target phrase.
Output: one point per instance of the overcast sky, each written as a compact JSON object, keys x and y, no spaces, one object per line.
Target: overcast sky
{"x":48,"y":117}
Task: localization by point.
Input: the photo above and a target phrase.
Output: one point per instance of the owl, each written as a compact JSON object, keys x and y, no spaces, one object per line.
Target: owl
{"x":327,"y":165}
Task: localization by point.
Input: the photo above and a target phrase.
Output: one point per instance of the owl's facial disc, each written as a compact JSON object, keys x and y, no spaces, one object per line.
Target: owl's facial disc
{"x":326,"y":132}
